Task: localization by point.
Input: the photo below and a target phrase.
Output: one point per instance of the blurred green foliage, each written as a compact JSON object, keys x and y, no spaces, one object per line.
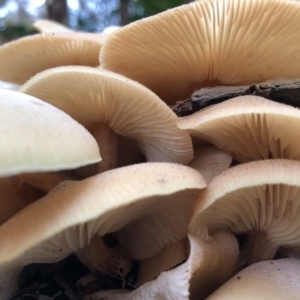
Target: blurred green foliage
{"x":137,"y":9}
{"x":146,"y":8}
{"x":11,"y":32}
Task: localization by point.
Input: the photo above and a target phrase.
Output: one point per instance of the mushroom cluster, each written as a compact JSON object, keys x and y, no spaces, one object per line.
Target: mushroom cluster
{"x":204,"y":206}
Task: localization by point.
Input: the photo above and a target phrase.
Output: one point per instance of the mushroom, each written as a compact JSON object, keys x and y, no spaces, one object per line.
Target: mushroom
{"x":208,"y":43}
{"x":259,"y":199}
{"x":36,"y":136}
{"x":210,"y":161}
{"x":49,"y":26}
{"x":209,"y":265}
{"x":147,"y":206}
{"x":27,"y":56}
{"x":248,"y":128}
{"x":171,"y":256}
{"x":273,"y":279}
{"x":109,"y":106}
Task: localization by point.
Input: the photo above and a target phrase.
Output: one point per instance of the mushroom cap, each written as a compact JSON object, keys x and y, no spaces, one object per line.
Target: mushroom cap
{"x":171,"y":256}
{"x":248,"y":127}
{"x":274,"y":279}
{"x":210,"y":161}
{"x":36,"y":136}
{"x":49,"y":26}
{"x":257,"y":196}
{"x":208,"y":43}
{"x":93,"y":96}
{"x":209,"y":265}
{"x":149,"y":206}
{"x":25,"y":57}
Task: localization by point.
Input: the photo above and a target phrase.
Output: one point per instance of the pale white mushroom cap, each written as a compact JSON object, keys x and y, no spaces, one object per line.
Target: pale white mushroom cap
{"x":9,"y":85}
{"x":147,"y":205}
{"x":274,"y":279}
{"x":36,"y":136}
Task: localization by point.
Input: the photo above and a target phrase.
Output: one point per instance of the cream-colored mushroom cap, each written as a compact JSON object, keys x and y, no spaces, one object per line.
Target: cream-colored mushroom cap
{"x":260,"y":199}
{"x":274,"y":279}
{"x":25,"y":57}
{"x":248,"y":127}
{"x":49,"y":26}
{"x":94,"y":97}
{"x":210,"y":161}
{"x":208,"y":43}
{"x":147,"y":205}
{"x":209,"y":265}
{"x":36,"y":136}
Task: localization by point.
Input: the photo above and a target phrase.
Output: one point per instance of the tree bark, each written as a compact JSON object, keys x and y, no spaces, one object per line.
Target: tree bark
{"x":124,"y":12}
{"x":57,"y":10}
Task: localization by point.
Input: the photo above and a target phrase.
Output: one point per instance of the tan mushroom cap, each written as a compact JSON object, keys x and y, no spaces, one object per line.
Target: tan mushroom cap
{"x":36,"y":136}
{"x":274,"y":279}
{"x":93,"y":96}
{"x":147,"y":205}
{"x":49,"y":26}
{"x":208,"y":43}
{"x":248,"y":127}
{"x":209,"y":265}
{"x":25,"y":57}
{"x":260,"y":199}
{"x":210,"y":161}
{"x":171,"y":256}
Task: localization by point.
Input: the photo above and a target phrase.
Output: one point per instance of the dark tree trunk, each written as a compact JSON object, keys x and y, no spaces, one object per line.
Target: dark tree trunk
{"x":57,"y":10}
{"x":124,"y":12}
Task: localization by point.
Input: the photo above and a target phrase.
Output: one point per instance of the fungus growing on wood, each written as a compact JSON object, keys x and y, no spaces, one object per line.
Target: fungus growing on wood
{"x":248,"y":127}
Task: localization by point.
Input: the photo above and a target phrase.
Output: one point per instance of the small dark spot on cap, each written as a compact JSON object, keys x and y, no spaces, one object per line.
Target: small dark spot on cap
{"x":239,"y":277}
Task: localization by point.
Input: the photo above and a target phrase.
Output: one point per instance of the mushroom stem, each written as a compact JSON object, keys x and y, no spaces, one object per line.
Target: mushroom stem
{"x":107,"y":140}
{"x":46,"y":181}
{"x":102,"y":259}
{"x":260,"y":247}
